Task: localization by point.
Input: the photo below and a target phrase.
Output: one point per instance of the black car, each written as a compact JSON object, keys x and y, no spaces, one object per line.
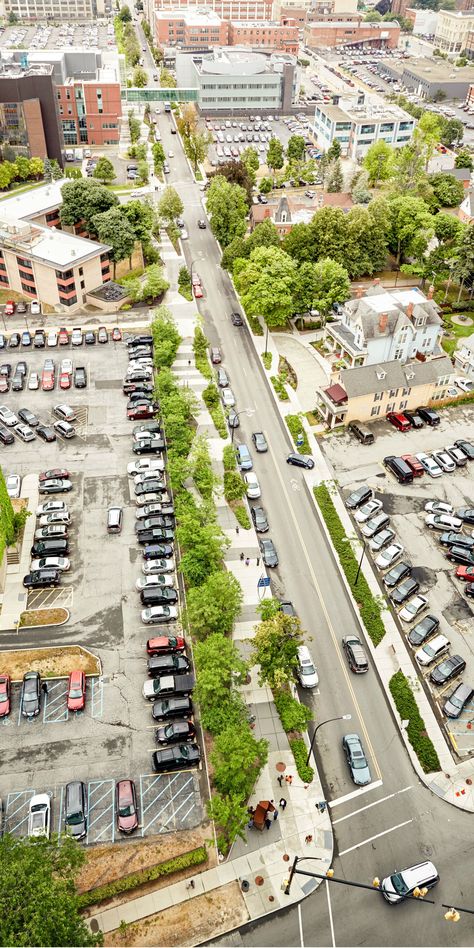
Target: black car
{"x":423,"y":630}
{"x":53,"y":547}
{"x":165,"y":708}
{"x":175,"y":732}
{"x":89,"y":338}
{"x":429,"y":415}
{"x":459,"y":554}
{"x":467,"y":447}
{"x":464,"y":513}
{"x":153,"y":486}
{"x":21,"y":368}
{"x":80,"y":377}
{"x":414,"y":419}
{"x":156,"y":535}
{"x":148,"y":426}
{"x":39,"y":340}
{"x":158,"y":596}
{"x":178,"y":757}
{"x":403,"y":592}
{"x":456,"y":539}
{"x":396,"y":574}
{"x":46,"y":433}
{"x":149,"y":446}
{"x":6,"y":436}
{"x":300,"y":460}
{"x":358,"y":497}
{"x":236,"y":319}
{"x":260,"y":442}
{"x":355,"y":654}
{"x":42,"y":578}
{"x":167,"y":664}
{"x":154,"y":520}
{"x":447,"y":669}
{"x":157,"y":551}
{"x":259,"y":518}
{"x":146,"y":388}
{"x":30,"y":700}
{"x":18,"y":382}
{"x":269,"y":553}
{"x":140,"y":341}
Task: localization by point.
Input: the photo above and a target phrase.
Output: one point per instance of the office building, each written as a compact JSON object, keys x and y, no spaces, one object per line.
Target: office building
{"x":61,"y":10}
{"x":28,"y":118}
{"x":453,"y":28}
{"x":429,"y":77}
{"x":191,"y":28}
{"x":225,"y":9}
{"x":236,"y":79}
{"x":357,"y":125}
{"x":324,"y":33}
{"x":282,"y":35}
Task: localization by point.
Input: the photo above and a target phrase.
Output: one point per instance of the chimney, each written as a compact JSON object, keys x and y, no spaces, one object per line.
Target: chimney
{"x":430,"y":292}
{"x":359,"y":292}
{"x":383,"y":321}
{"x":410,"y":308}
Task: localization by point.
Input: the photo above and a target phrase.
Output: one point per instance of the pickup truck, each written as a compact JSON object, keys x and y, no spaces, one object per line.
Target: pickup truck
{"x":168,"y":685}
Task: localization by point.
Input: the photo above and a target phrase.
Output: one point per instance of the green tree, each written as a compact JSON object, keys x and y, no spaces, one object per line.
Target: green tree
{"x":237,"y":759}
{"x":266,"y":185}
{"x":448,"y":190}
{"x":124,"y":14}
{"x":263,"y":235}
{"x":231,"y":816}
{"x":159,"y":156}
{"x":196,"y":147}
{"x":411,"y":227}
{"x":334,"y":150}
{"x":170,"y":205}
{"x":22,"y":168}
{"x":214,"y":606}
{"x":266,"y":282}
{"x":56,"y":170}
{"x":167,"y":81}
{"x":378,"y":162}
{"x":38,"y":900}
{"x":372,"y":17}
{"x":227,"y":206}
{"x":452,"y":132}
{"x":237,"y":248}
{"x":295,"y":147}
{"x":220,"y":671}
{"x":335,"y":177}
{"x":72,"y":173}
{"x":333,"y":284}
{"x":250,"y":160}
{"x":6,"y":175}
{"x":83,"y":200}
{"x":275,"y":649}
{"x":407,"y":168}
{"x":427,"y":135}
{"x":464,"y":257}
{"x":155,"y":283}
{"x":104,"y":170}
{"x":12,"y":18}
{"x":299,"y":243}
{"x":366,"y":239}
{"x":446,"y":227}
{"x":305,"y":288}
{"x":36,"y":168}
{"x":202,"y":543}
{"x":464,"y":159}
{"x":139,"y":78}
{"x":113,"y":228}
{"x":360,"y":189}
{"x":275,"y":154}
{"x":236,"y":172}
{"x":143,"y":171}
{"x":140,"y":216}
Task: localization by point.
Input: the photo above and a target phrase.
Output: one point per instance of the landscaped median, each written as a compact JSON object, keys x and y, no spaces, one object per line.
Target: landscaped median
{"x":57,"y":662}
{"x":370,"y":611}
{"x":36,"y":618}
{"x":408,"y":710}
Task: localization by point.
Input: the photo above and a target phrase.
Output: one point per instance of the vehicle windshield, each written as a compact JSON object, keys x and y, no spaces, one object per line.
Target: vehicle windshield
{"x":359,"y":763}
{"x":74,"y":819}
{"x":127,"y":810}
{"x":398,"y":884}
{"x":75,"y":693}
{"x":455,"y":701}
{"x":308,"y":670}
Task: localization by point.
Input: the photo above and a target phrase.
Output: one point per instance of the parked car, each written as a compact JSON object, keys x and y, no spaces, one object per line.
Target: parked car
{"x":429,"y":415}
{"x":177,"y":757}
{"x":259,"y":518}
{"x":451,"y":538}
{"x":445,"y":462}
{"x":165,"y":644}
{"x":306,"y":671}
{"x":126,"y":804}
{"x":458,"y":699}
{"x":413,"y":608}
{"x":381,"y":539}
{"x":406,"y":589}
{"x":395,"y":575}
{"x":54,"y":486}
{"x":30,"y":698}
{"x":439,"y":507}
{"x":167,"y":664}
{"x":372,"y":526}
{"x":253,"y":486}
{"x":368,"y":510}
{"x":75,"y":809}
{"x":429,"y":464}
{"x":443,"y":522}
{"x":423,"y":630}
{"x":447,"y":669}
{"x":300,"y":460}
{"x":432,"y":650}
{"x":466,"y":447}
{"x":80,"y":377}
{"x":269,"y":553}
{"x":165,"y":709}
{"x":76,"y":691}
{"x":175,"y":732}
{"x":5,"y":690}
{"x":13,"y":485}
{"x":42,"y":578}
{"x":358,"y":497}
{"x":39,"y":815}
{"x":389,"y":556}
{"x":399,"y":421}
{"x":155,"y":614}
{"x":459,"y":554}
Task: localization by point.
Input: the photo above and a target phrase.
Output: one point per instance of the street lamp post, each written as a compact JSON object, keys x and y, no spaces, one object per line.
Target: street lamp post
{"x":266,"y":340}
{"x":360,"y":562}
{"x":340,"y":717}
{"x":245,"y":411}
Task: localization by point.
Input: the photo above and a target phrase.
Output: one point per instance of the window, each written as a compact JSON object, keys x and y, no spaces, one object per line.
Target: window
{"x":24,"y":263}
{"x":64,"y":276}
{"x":28,"y":289}
{"x":69,"y":302}
{"x":402,"y":405}
{"x":3,"y":278}
{"x":390,"y":406}
{"x":375,"y":411}
{"x":378,"y":396}
{"x":393,"y":393}
{"x":406,"y":391}
{"x":83,"y":285}
{"x":398,"y":354}
{"x":24,"y":275}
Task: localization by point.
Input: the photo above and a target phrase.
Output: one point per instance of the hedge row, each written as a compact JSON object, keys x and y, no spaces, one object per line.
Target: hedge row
{"x":279,"y":387}
{"x":7,"y":518}
{"x":195,"y":857}
{"x":300,"y":753}
{"x":296,"y":428}
{"x":267,"y":360}
{"x":242,"y":516}
{"x":293,"y":715}
{"x":370,"y":611}
{"x":200,"y":353}
{"x":408,"y":710}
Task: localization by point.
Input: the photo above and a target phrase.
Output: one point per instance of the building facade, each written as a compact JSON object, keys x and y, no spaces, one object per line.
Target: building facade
{"x":333,"y":33}
{"x":464,"y":356}
{"x":61,"y":10}
{"x":28,"y":117}
{"x":288,"y":211}
{"x":453,"y":28}
{"x":89,"y":112}
{"x":191,"y":28}
{"x":225,"y":9}
{"x":429,"y":77}
{"x":357,"y":126}
{"x":368,"y":393}
{"x":282,"y":35}
{"x":239,"y":80}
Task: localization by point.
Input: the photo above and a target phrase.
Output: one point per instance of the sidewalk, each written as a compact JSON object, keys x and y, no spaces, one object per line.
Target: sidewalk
{"x":15,"y":595}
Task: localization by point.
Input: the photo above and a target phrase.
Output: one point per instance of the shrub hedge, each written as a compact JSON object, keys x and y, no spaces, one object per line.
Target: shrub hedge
{"x":279,"y":388}
{"x":408,"y":710}
{"x":370,"y":611}
{"x":300,"y":753}
{"x":228,"y":457}
{"x":194,"y":857}
{"x":200,"y":353}
{"x":267,"y":360}
{"x":295,"y":425}
{"x":234,"y":486}
{"x":7,"y":518}
{"x":242,"y":516}
{"x":293,"y":715}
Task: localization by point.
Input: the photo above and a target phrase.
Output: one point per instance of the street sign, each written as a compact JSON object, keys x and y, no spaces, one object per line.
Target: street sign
{"x":264,"y":581}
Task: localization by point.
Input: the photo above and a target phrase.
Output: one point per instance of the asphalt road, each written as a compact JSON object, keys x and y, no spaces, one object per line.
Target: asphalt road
{"x":395,"y":822}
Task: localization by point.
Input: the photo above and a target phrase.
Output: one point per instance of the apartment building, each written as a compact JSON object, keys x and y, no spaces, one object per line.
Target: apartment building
{"x":89,"y":112}
{"x":453,"y":28}
{"x":60,"y":10}
{"x":236,"y":79}
{"x":303,"y":10}
{"x":357,"y":124}
{"x":271,"y":34}
{"x":323,"y":33}
{"x":28,"y":118}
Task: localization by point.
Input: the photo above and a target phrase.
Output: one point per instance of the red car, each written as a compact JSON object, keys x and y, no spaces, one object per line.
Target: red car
{"x":4,"y":385}
{"x":465,"y":572}
{"x":399,"y":421}
{"x":63,"y":337}
{"x":56,"y":472}
{"x":140,"y":411}
{"x":127,"y":814}
{"x":64,"y":380}
{"x":165,"y":643}
{"x":197,"y":290}
{"x":5,"y":682}
{"x":416,"y":468}
{"x":76,"y":691}
{"x":47,"y":381}
{"x":116,"y":334}
{"x":9,"y":308}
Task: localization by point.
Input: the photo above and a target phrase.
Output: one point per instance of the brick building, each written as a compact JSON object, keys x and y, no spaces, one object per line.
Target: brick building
{"x":191,"y":28}
{"x":332,"y":33}
{"x":28,"y":118}
{"x":271,"y":34}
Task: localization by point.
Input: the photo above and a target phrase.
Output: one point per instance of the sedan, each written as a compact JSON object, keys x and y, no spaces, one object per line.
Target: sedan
{"x":57,"y":472}
{"x":46,"y":433}
{"x":438,"y":507}
{"x":466,"y":447}
{"x":140,"y":411}
{"x":259,"y":518}
{"x":368,"y":510}
{"x":76,"y":337}
{"x":253,"y":486}
{"x":443,"y":522}
{"x":102,"y":334}
{"x":429,"y":464}
{"x":300,"y":460}
{"x":13,"y":485}
{"x":159,"y":614}
{"x":126,"y":805}
{"x":389,"y":556}
{"x":406,"y":589}
{"x":457,"y":700}
{"x":466,"y":573}
{"x":158,"y":565}
{"x":155,"y":473}
{"x":356,"y":759}
{"x":236,"y":319}
{"x":7,"y":417}
{"x":175,"y":732}
{"x":116,"y":334}
{"x":57,"y":563}
{"x":423,"y":630}
{"x":28,"y":417}
{"x":52,"y":338}
{"x":39,"y":816}
{"x":165,"y":644}
{"x":448,"y":669}
{"x":153,"y":581}
{"x":375,"y":524}
{"x":466,"y":514}
{"x":259,"y":441}
{"x":5,"y":688}
{"x":413,"y":608}
{"x":161,"y":509}
{"x":30,"y":699}
{"x":150,"y":490}
{"x":451,"y":538}
{"x":64,"y":381}
{"x":33,"y":382}
{"x":63,"y":336}
{"x":445,"y":462}
{"x":457,"y":455}
{"x":55,"y":486}
{"x":177,"y":757}
{"x":269,"y":553}
{"x":381,"y":539}
{"x":396,"y":574}
{"x":76,"y":691}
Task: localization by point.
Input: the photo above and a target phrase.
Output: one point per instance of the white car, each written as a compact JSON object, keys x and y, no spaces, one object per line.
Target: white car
{"x":171,"y":154}
{"x":24,"y":432}
{"x":33,"y":382}
{"x":57,"y":516}
{"x":413,"y":608}
{"x":149,"y":475}
{"x":145,"y":464}
{"x":389,"y":556}
{"x":464,"y":384}
{"x":159,"y":614}
{"x":429,"y":465}
{"x":39,"y":815}
{"x":153,"y":579}
{"x":438,"y":507}
{"x":443,"y":522}
{"x":13,"y":484}
{"x":149,"y":510}
{"x":158,"y":566}
{"x":52,"y":338}
{"x":305,"y":669}
{"x":228,"y":397}
{"x":368,"y":510}
{"x":66,"y":366}
{"x":51,"y":506}
{"x":51,"y":562}
{"x":151,"y":498}
{"x":35,"y":308}
{"x":253,"y":486}
{"x":445,"y":462}
{"x":7,"y":416}
{"x":184,"y":234}
{"x":432,"y":650}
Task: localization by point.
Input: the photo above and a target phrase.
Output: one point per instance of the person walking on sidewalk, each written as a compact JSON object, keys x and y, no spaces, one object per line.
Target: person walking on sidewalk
{"x":308,"y":839}
{"x":247,"y":561}
{"x":282,"y":803}
{"x":289,"y":779}
{"x":280,"y":779}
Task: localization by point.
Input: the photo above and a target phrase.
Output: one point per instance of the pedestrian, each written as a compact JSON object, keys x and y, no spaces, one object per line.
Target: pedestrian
{"x":308,"y":839}
{"x":247,"y":561}
{"x":280,"y":779}
{"x":258,"y":560}
{"x":250,"y":824}
{"x":44,"y":687}
{"x":282,"y":803}
{"x":189,"y":361}
{"x":268,"y":823}
{"x":251,"y":810}
{"x":237,"y":530}
{"x":190,"y":884}
{"x":289,"y":779}
{"x":275,"y":815}
{"x":241,"y":557}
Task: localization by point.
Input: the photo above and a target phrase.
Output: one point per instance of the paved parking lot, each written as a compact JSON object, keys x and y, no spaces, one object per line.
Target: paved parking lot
{"x":114,"y":737}
{"x":56,"y":36}
{"x":222,"y":152}
{"x":357,"y":465}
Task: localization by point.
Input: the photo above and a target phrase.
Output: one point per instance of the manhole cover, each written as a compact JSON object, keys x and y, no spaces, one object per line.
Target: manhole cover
{"x":286,"y":857}
{"x":259,"y":880}
{"x":280,"y":766}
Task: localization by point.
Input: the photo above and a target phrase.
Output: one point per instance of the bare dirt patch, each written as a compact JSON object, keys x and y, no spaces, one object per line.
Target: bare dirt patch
{"x":50,"y":662}
{"x":40,"y":617}
{"x":189,"y":923}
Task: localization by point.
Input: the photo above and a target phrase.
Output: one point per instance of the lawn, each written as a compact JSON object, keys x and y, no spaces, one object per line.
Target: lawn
{"x":455,"y":332}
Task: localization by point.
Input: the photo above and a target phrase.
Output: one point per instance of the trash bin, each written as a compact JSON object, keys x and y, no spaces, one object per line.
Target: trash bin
{"x":244,"y":885}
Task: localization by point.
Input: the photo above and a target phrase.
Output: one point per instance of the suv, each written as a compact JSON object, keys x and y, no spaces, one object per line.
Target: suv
{"x":402,"y":592}
{"x":75,"y":816}
{"x":358,"y":497}
{"x":399,"y":421}
{"x":448,"y":669}
{"x":455,"y":703}
{"x":429,"y":415}
{"x":355,"y":654}
{"x":402,"y":883}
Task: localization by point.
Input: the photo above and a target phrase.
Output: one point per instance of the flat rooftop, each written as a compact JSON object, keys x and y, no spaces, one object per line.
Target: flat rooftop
{"x":437,"y":69}
{"x":55,"y":248}
{"x":193,"y":16}
{"x":32,"y":203}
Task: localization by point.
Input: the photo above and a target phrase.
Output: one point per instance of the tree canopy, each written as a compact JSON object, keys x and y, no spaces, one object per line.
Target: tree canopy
{"x":227,"y":206}
{"x":84,"y":200}
{"x":265,"y":282}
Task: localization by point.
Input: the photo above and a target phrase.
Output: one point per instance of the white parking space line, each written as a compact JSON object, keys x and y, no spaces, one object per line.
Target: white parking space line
{"x":369,"y":805}
{"x":364,"y":842}
{"x":331,"y":922}
{"x":300,"y":924}
{"x":355,"y":793}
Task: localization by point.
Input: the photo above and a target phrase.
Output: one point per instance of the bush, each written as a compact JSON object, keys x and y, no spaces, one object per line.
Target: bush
{"x":194,"y":857}
{"x":369,"y":609}
{"x":293,"y":715}
{"x":234,"y":486}
{"x":19,"y":520}
{"x":408,"y":710}
{"x":228,"y":457}
{"x":254,"y":325}
{"x":201,"y":468}
{"x":300,"y":753}
{"x":267,"y":360}
{"x":279,"y":387}
{"x":210,"y":396}
{"x":242,"y":516}
{"x":295,"y":424}
{"x":200,"y":353}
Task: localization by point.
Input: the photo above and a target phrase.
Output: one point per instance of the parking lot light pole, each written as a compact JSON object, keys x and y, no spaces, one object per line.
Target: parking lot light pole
{"x":340,"y":717}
